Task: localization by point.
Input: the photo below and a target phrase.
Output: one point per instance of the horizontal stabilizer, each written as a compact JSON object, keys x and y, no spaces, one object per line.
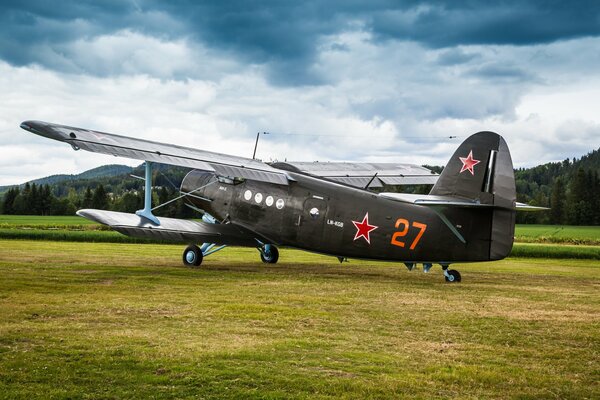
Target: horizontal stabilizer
{"x":433,"y":200}
{"x":527,"y":207}
{"x":172,"y":229}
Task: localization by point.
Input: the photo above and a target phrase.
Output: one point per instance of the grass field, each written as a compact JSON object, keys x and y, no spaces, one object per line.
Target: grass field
{"x":558,"y":234}
{"x":84,"y":320}
{"x":47,"y":221}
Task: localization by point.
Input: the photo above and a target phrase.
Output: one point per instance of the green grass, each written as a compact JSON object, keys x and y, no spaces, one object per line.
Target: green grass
{"x":47,"y":221}
{"x":82,"y":320}
{"x":540,"y":250}
{"x":62,"y":235}
{"x":558,"y":234}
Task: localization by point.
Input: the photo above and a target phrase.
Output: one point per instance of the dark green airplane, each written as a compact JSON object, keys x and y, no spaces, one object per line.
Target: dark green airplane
{"x":328,"y":208}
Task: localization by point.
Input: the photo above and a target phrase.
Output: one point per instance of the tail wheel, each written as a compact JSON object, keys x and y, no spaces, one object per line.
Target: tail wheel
{"x":452,"y":276}
{"x":269,"y":254}
{"x":192,"y":256}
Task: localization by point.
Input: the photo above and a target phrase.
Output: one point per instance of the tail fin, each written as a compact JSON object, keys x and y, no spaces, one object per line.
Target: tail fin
{"x":481,"y":169}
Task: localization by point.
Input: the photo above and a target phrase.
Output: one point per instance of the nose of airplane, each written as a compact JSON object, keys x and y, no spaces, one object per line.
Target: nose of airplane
{"x":195,"y":181}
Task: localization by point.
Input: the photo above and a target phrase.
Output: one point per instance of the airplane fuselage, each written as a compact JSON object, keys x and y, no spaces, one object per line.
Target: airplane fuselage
{"x":331,"y":218}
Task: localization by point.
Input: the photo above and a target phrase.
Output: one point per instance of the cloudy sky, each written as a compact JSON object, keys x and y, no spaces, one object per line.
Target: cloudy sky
{"x":330,"y":80}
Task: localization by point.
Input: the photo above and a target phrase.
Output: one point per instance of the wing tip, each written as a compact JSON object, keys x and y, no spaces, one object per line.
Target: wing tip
{"x":44,"y":129}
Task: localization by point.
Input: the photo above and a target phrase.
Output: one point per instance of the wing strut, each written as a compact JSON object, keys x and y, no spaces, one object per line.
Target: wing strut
{"x":147,"y":211}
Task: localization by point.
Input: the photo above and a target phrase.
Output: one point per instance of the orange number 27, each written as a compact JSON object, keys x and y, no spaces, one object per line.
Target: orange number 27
{"x":404,"y":231}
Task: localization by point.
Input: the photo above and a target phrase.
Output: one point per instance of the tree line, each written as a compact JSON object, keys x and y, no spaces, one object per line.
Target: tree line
{"x":35,"y":199}
{"x":571,"y":189}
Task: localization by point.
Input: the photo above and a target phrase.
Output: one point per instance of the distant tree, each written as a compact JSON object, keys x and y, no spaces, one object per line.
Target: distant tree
{"x":87,"y":198}
{"x":578,"y":207}
{"x":100,"y":198}
{"x":45,"y":200}
{"x":62,"y":207}
{"x":541,"y":200}
{"x":595,"y":198}
{"x":19,"y":206}
{"x":557,"y":202}
{"x":9,"y":200}
{"x":33,"y":200}
{"x":128,"y":202}
{"x":74,"y":198}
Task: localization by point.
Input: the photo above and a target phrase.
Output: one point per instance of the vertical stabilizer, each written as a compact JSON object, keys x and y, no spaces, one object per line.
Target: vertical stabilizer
{"x":481,"y":169}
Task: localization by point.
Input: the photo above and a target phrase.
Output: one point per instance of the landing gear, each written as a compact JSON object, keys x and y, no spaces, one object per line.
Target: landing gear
{"x":451,"y":275}
{"x":192,"y":256}
{"x":269,"y":254}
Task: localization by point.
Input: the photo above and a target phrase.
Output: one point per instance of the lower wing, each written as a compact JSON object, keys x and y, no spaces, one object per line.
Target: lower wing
{"x":175,"y":230}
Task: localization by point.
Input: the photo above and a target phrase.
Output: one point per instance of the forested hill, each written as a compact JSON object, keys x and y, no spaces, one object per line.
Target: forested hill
{"x":571,"y":188}
{"x":99,"y":172}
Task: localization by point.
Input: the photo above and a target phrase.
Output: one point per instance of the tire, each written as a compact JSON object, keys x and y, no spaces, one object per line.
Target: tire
{"x":192,"y":256}
{"x":454,"y":276}
{"x":270,"y":254}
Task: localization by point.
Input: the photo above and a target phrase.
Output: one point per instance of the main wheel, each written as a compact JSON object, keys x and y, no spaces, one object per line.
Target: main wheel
{"x":269,"y":254}
{"x":453,"y":276}
{"x":192,"y":256}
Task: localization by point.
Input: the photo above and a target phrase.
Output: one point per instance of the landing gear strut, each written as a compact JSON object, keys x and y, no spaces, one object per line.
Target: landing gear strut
{"x":269,"y":254}
{"x":192,"y":256}
{"x":451,"y":275}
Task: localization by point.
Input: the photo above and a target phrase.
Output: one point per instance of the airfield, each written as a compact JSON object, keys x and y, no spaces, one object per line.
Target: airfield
{"x":127,"y":320}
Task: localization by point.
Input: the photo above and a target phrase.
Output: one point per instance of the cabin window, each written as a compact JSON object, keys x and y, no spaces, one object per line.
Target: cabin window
{"x":314,"y":213}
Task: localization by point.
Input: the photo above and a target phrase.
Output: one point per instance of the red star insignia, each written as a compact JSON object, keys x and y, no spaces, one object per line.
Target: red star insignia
{"x":468,"y":163}
{"x":363,"y":228}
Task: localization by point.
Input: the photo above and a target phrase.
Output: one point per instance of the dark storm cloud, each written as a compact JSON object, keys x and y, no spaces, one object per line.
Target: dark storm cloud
{"x":451,"y":23}
{"x":284,"y":36}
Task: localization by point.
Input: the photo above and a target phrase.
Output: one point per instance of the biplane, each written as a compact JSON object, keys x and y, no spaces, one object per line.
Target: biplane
{"x":332,"y":208}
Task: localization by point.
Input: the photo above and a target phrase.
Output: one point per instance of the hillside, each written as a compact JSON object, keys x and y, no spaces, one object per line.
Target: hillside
{"x":99,"y":172}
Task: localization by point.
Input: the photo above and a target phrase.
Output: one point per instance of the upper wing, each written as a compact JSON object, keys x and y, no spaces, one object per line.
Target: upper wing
{"x":100,"y":142}
{"x":360,"y":174}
